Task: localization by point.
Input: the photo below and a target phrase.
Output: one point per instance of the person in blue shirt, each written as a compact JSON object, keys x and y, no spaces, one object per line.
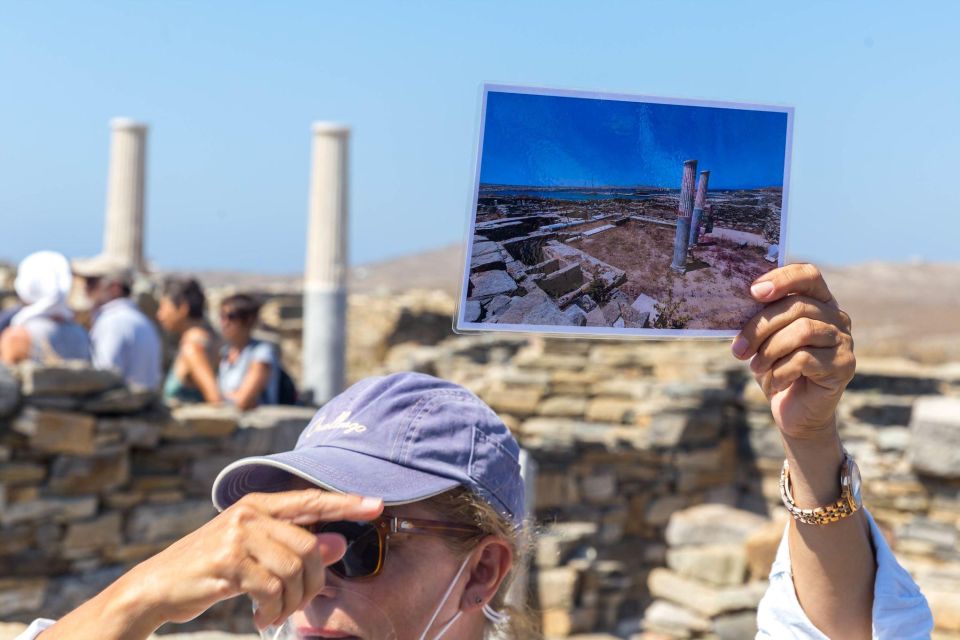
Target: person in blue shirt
{"x":306,"y":533}
{"x":249,"y":373}
{"x":122,"y":337}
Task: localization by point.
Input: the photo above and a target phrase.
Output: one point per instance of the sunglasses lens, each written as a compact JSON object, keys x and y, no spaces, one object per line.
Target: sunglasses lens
{"x":363,"y":549}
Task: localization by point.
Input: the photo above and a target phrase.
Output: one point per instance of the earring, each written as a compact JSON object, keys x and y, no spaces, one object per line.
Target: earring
{"x":479,"y":599}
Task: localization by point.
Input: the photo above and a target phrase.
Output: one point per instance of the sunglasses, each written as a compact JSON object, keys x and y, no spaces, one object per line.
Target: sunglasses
{"x":231,"y":315}
{"x":367,"y":541}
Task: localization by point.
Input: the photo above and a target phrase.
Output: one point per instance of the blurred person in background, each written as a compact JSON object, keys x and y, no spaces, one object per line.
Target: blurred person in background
{"x":43,"y":328}
{"x":122,"y":337}
{"x":192,"y":376}
{"x":249,"y":373}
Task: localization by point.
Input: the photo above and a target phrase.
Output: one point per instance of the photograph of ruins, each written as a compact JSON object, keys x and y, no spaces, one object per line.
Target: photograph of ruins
{"x":617,"y":215}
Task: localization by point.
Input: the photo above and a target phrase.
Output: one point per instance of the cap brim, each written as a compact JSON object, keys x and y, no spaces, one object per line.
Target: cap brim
{"x":331,"y":468}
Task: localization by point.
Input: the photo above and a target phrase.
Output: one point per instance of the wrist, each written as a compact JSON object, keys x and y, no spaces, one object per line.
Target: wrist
{"x":130,"y":602}
{"x":815,"y":464}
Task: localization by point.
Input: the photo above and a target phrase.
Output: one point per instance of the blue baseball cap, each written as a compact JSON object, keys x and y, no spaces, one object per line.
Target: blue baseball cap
{"x":403,"y":438}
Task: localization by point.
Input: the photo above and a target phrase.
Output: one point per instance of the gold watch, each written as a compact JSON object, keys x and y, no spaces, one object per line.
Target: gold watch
{"x":849,"y":502}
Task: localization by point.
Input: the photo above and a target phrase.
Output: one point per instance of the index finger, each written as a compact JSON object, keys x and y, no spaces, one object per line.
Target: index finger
{"x":793,"y":279}
{"x":306,"y":506}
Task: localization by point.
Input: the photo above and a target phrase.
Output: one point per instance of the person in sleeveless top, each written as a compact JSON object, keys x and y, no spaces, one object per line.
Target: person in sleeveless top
{"x":249,"y":368}
{"x":192,"y":376}
{"x":43,"y":330}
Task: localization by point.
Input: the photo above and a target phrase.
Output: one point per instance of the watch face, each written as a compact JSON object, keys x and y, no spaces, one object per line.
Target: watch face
{"x":855,"y":482}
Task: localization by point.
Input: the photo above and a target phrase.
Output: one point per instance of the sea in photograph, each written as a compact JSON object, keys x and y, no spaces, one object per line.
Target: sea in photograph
{"x":570,"y":193}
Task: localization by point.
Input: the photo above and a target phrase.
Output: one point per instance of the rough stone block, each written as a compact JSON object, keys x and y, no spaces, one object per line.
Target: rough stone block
{"x":658,"y":511}
{"x":201,"y":421}
{"x":702,"y":598}
{"x":534,"y":308}
{"x":557,"y":587}
{"x":562,"y":280}
{"x":515,"y":401}
{"x":101,"y":471}
{"x":489,"y":261}
{"x":735,"y":626}
{"x":9,"y":392}
{"x":156,"y":523}
{"x":21,"y":595}
{"x":66,"y":378}
{"x":712,"y":523}
{"x":575,"y":317}
{"x":646,"y":304}
{"x":558,"y":540}
{"x":49,"y":509}
{"x":121,"y":400}
{"x":761,"y":546}
{"x":671,"y":427}
{"x":672,"y":619}
{"x":599,"y":486}
{"x":137,"y":431}
{"x":21,"y":473}
{"x":57,"y":431}
{"x":88,"y":535}
{"x":555,"y":490}
{"x":935,"y":445}
{"x":488,"y":284}
{"x":611,"y":409}
{"x":471,"y":311}
{"x":569,"y":406}
{"x":719,"y":564}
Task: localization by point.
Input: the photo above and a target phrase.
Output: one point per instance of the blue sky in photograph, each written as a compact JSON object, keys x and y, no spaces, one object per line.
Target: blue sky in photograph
{"x":230,"y":89}
{"x":550,"y":140}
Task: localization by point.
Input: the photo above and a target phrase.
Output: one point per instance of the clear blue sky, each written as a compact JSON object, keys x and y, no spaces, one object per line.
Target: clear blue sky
{"x":563,"y":140}
{"x":230,"y":90}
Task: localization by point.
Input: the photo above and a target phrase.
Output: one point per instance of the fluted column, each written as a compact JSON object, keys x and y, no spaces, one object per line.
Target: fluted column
{"x":126,"y":192}
{"x":684,"y":211}
{"x":698,"y":205}
{"x":325,"y":275}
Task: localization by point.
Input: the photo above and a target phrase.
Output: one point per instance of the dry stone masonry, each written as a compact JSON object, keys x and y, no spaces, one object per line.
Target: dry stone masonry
{"x":643,"y":449}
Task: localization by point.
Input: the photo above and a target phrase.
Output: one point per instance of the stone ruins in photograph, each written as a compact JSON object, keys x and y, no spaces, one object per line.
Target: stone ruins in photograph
{"x":636,"y":258}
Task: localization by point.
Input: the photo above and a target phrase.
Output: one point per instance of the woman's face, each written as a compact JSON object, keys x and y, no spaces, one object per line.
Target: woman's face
{"x":172,"y":317}
{"x":401,"y":599}
{"x":235,"y":330}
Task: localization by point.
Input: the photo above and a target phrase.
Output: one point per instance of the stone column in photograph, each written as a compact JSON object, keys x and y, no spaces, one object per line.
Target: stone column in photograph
{"x":126,"y":190}
{"x":698,"y":205}
{"x":684,"y":211}
{"x":325,"y":275}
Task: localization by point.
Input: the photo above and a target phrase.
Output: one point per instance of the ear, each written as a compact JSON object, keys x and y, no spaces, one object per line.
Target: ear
{"x":489,"y":567}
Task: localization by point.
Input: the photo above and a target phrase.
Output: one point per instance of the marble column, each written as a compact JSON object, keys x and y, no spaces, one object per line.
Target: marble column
{"x":698,"y":205}
{"x":325,"y":275}
{"x":126,"y":190}
{"x":684,"y":211}
{"x":708,"y":219}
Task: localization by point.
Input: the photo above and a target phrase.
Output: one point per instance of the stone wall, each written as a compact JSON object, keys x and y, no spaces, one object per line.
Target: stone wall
{"x":644,"y":447}
{"x":638,"y":444}
{"x":94,"y":478}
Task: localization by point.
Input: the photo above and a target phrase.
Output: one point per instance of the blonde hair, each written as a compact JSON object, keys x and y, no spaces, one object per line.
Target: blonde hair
{"x":462,"y":506}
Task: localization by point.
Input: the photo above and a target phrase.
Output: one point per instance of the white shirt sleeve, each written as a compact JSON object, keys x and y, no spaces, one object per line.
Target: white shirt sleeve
{"x":35,"y":628}
{"x":900,"y":612}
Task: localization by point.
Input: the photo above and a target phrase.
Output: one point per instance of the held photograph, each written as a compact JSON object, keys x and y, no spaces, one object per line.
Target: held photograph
{"x":622,"y":215}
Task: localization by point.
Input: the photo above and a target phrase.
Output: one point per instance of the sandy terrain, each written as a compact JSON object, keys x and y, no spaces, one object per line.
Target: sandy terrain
{"x":713,"y":292}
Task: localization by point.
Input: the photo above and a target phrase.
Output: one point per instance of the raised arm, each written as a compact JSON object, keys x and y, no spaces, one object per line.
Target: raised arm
{"x":802,"y":357}
{"x":194,"y":350}
{"x":254,"y":547}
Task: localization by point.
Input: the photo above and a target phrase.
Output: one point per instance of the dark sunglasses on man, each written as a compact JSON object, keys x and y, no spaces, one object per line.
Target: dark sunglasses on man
{"x":367,"y":542}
